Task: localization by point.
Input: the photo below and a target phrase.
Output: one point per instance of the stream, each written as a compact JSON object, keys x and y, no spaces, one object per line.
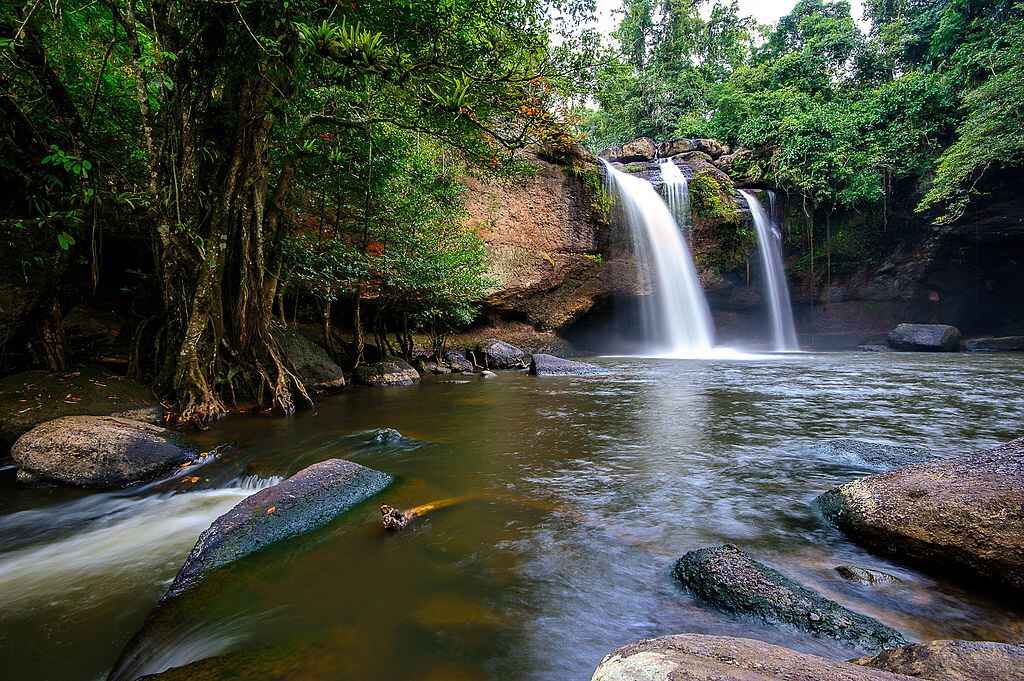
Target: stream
{"x":583,"y":493}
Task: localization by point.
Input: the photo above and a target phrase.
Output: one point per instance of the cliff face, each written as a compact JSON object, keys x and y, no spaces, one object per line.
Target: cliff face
{"x":550,"y":244}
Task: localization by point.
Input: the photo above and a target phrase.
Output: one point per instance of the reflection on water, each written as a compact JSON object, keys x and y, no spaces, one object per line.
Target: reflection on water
{"x":584,"y":492}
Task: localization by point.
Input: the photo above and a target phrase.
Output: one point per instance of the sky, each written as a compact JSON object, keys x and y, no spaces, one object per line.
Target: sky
{"x":765,"y":11}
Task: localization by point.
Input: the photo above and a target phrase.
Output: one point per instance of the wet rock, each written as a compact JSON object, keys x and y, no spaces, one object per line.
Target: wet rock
{"x":101,"y":452}
{"x":873,"y":347}
{"x":549,"y":365}
{"x":458,"y":362}
{"x":866,"y":576}
{"x":1000,"y":344}
{"x":925,"y":338}
{"x":960,"y":515}
{"x":697,"y":657}
{"x":391,"y":371}
{"x":728,"y":578}
{"x":952,"y":661}
{"x":312,"y":363}
{"x":488,"y":374}
{"x":311,"y":498}
{"x":875,"y":454}
{"x":497,"y":354}
{"x":385,"y":435}
{"x":33,"y":397}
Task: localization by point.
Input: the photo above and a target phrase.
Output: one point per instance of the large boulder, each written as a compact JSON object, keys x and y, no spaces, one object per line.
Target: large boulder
{"x":33,"y":397}
{"x":311,"y":498}
{"x":729,"y":579}
{"x":387,"y":372}
{"x":698,"y":657}
{"x":873,"y":454}
{"x":640,"y":149}
{"x":925,"y":338}
{"x":549,"y":365}
{"x":952,"y":661}
{"x":101,"y":452}
{"x":315,"y":367}
{"x":458,"y":363}
{"x":1000,"y":344}
{"x":497,"y":354}
{"x":960,"y":515}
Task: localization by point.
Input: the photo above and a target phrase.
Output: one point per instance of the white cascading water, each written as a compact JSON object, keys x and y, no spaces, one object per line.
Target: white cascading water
{"x":676,"y":315}
{"x":769,"y":243}
{"x":677,"y":194}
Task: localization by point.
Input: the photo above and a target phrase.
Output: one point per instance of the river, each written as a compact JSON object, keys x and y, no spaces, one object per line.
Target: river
{"x":582,"y":493}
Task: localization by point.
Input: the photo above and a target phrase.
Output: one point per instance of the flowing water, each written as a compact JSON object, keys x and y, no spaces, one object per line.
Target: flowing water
{"x":583,"y":492}
{"x":677,"y":194}
{"x":769,"y":245}
{"x":676,"y":315}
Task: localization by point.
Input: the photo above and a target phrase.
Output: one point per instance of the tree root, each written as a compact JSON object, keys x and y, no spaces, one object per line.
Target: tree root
{"x":394,"y":519}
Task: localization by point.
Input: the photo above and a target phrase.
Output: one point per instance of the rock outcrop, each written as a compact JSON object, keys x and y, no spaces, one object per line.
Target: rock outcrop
{"x":315,"y":367}
{"x":458,"y":363}
{"x":33,"y":397}
{"x":100,"y":452}
{"x":925,"y":338}
{"x":697,"y":657}
{"x":952,"y":661}
{"x":729,"y":579}
{"x":549,"y":365}
{"x":311,"y":498}
{"x":960,"y":515}
{"x":497,"y":354}
{"x":387,"y":372}
{"x":1000,"y":344}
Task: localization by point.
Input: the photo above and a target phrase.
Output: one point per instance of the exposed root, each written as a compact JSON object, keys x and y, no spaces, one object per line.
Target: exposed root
{"x":394,"y":519}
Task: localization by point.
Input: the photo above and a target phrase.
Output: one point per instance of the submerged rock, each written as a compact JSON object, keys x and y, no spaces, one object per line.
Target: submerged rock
{"x":391,"y":371}
{"x":952,"y":661}
{"x":497,"y":354}
{"x":488,"y":374}
{"x":101,"y":452}
{"x":960,"y":515}
{"x":874,"y":454}
{"x":865,"y":576}
{"x":697,"y":657}
{"x":925,"y":338}
{"x":728,"y":578}
{"x":33,"y":397}
{"x":311,"y":498}
{"x":458,"y":362}
{"x":314,"y":366}
{"x":549,"y":365}
{"x":1001,"y":344}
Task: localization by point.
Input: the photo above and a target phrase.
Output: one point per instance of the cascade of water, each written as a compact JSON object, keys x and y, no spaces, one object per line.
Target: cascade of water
{"x":676,"y":315}
{"x":769,"y":243}
{"x":677,"y":194}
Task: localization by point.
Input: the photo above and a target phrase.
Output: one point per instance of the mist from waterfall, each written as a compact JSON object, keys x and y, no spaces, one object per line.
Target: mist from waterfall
{"x":769,"y":244}
{"x":676,"y":191}
{"x":677,"y":320}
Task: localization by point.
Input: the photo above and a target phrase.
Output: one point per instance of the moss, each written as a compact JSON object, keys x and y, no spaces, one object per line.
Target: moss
{"x":723,"y":240}
{"x":594,"y":190}
{"x":711,"y":202}
{"x":634,"y":167}
{"x":595,"y":258}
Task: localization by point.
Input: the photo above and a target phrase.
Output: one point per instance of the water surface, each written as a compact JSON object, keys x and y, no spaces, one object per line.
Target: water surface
{"x":583,"y":492}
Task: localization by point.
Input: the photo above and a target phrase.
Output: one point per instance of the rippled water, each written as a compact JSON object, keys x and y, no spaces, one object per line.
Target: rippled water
{"x":583,"y":494}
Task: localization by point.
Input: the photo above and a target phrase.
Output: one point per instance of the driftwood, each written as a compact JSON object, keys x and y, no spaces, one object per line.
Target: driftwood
{"x":394,"y":519}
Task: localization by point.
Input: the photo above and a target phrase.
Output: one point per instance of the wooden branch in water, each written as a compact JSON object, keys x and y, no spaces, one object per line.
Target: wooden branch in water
{"x":394,"y":519}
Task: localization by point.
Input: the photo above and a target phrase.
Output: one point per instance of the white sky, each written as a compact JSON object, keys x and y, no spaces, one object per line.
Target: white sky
{"x":765,"y":11}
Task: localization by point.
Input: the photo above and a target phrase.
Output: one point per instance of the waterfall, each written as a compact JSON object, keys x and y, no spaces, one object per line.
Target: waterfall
{"x":676,"y":316}
{"x":769,"y":243}
{"x":677,"y":194}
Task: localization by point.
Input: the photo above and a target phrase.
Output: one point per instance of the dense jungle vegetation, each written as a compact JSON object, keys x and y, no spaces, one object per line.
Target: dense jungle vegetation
{"x":272,"y":153}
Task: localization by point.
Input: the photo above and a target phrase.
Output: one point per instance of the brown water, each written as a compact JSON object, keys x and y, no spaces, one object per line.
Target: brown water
{"x":584,"y":492}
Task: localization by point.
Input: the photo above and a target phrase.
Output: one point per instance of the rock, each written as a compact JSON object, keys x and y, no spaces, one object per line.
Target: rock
{"x":728,"y":578}
{"x":874,"y":454}
{"x":676,"y":146}
{"x":311,"y":498}
{"x":390,"y":371}
{"x":101,"y":452}
{"x":952,"y":661}
{"x":925,"y":338}
{"x":496,"y":354}
{"x":611,"y":153}
{"x":488,"y":374}
{"x":866,"y":576}
{"x":1000,"y":344}
{"x":960,"y":515}
{"x":33,"y":397}
{"x":727,"y":162}
{"x":312,"y":363}
{"x":640,"y":149}
{"x":549,"y":365}
{"x":385,"y":435}
{"x":458,"y":362}
{"x":91,"y":332}
{"x":698,"y":657}
{"x":873,"y":347}
{"x":712,"y":148}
